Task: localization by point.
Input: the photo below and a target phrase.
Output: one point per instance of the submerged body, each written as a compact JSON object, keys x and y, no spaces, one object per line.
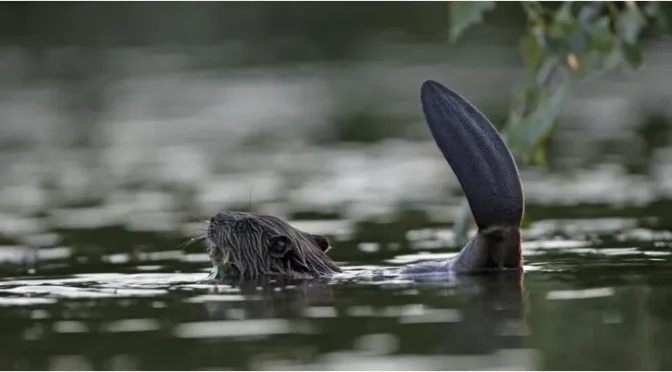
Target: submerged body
{"x":252,"y":245}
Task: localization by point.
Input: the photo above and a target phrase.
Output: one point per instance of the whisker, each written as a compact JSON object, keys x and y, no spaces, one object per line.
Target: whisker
{"x":191,"y":241}
{"x":249,"y":199}
{"x":193,"y":217}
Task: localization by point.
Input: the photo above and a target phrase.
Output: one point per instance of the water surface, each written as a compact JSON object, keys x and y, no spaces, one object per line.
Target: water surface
{"x":597,"y":302}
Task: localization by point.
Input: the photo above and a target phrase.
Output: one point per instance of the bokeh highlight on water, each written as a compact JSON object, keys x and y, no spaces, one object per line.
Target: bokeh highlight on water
{"x":118,"y":143}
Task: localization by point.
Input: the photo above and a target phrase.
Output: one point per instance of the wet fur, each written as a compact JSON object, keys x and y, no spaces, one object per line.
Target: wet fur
{"x":250,"y":245}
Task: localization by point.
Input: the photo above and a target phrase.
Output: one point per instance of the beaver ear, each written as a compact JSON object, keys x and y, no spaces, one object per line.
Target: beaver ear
{"x":322,"y":242}
{"x":279,"y":246}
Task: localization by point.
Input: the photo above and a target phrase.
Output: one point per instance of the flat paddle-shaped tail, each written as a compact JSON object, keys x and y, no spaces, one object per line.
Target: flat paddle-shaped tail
{"x":477,"y":154}
{"x":488,"y":174}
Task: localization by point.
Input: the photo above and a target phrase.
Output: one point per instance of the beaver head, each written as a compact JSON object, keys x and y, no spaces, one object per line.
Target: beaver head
{"x":250,"y":245}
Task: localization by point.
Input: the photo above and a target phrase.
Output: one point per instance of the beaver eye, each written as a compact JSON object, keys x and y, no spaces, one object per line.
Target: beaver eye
{"x":241,"y":226}
{"x":279,"y":246}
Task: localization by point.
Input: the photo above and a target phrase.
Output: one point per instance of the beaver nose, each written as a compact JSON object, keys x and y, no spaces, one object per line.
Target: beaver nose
{"x":218,"y":218}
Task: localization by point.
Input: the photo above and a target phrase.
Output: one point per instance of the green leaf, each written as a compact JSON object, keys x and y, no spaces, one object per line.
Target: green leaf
{"x":531,"y":51}
{"x":537,"y":155}
{"x":600,"y":36}
{"x":564,"y":13}
{"x":633,"y":55}
{"x":466,"y":13}
{"x":613,"y":59}
{"x":565,"y":37}
{"x":593,"y":63}
{"x":534,"y":13}
{"x":525,"y":132}
{"x":578,"y":40}
{"x":631,"y":22}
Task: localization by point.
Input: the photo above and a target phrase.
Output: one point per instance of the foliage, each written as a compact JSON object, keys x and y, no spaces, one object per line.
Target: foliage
{"x":563,"y":42}
{"x":464,"y":13}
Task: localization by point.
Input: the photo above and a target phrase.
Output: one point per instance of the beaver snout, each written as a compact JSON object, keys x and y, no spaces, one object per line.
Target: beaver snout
{"x":226,"y":217}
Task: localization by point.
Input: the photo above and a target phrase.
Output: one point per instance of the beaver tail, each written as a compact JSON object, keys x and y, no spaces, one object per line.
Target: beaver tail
{"x":478,"y":156}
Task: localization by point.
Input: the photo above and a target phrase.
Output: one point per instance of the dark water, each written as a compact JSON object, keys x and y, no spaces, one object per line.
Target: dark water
{"x":124,"y":128}
{"x":597,"y":302}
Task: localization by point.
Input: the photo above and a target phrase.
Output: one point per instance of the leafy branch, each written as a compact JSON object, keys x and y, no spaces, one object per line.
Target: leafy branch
{"x":562,"y":44}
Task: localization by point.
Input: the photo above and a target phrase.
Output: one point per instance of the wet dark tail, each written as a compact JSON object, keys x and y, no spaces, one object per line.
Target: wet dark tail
{"x":478,"y":156}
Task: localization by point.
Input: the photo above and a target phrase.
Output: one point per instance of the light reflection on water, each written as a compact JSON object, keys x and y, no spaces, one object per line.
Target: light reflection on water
{"x":477,"y":323}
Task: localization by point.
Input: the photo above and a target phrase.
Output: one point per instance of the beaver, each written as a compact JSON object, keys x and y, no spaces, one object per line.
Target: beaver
{"x":249,"y":245}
